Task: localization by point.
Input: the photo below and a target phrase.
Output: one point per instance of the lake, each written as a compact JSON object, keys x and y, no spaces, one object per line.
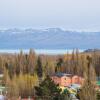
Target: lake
{"x":40,"y":51}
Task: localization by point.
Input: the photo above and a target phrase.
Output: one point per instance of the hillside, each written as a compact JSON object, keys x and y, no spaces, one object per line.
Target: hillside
{"x":51,"y":38}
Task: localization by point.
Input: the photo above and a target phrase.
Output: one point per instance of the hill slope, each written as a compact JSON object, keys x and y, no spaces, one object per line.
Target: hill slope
{"x":51,"y":38}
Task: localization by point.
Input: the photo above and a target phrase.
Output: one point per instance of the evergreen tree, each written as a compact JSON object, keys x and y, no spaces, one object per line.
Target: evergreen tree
{"x":49,"y":89}
{"x":59,"y":65}
{"x":39,"y":70}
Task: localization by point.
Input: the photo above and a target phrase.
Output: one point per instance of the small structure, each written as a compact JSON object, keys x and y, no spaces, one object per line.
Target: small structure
{"x":1,"y":76}
{"x":97,"y":87}
{"x":66,"y":80}
{"x":77,"y":79}
{"x":2,"y":90}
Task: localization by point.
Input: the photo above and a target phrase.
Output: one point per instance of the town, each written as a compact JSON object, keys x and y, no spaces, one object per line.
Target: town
{"x":50,"y":77}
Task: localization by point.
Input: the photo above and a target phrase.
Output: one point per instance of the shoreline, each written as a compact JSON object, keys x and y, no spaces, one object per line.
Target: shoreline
{"x":41,"y":51}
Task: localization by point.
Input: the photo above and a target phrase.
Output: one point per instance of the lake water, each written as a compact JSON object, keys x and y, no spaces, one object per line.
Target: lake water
{"x":40,"y":51}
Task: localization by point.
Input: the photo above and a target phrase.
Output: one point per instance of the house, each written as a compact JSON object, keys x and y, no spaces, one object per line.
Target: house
{"x":66,"y":80}
{"x":76,"y":79}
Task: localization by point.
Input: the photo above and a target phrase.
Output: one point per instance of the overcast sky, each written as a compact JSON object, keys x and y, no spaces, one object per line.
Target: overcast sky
{"x":68,"y":14}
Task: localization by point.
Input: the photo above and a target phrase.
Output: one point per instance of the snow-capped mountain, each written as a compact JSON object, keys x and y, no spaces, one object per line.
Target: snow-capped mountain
{"x":51,"y":38}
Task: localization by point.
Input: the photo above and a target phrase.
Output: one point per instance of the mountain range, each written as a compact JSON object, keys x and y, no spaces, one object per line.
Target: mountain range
{"x":50,"y":38}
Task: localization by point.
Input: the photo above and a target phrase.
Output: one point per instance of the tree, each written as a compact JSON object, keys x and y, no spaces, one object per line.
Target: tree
{"x":39,"y":70}
{"x":59,"y":65}
{"x":88,"y":90}
{"x":31,"y":61}
{"x":98,"y":95}
{"x":47,"y":88}
{"x":13,"y":90}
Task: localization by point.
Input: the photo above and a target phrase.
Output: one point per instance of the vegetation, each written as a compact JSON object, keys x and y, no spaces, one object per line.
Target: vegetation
{"x":48,"y":89}
{"x":23,"y":72}
{"x":88,"y":91}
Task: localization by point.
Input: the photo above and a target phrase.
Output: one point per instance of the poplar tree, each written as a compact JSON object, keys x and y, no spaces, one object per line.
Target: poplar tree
{"x":88,"y":90}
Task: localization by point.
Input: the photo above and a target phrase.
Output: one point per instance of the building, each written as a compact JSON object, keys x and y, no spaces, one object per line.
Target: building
{"x":66,"y":80}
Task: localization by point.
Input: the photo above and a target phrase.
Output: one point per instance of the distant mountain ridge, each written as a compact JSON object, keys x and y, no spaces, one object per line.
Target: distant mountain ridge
{"x":91,"y":50}
{"x":51,"y":38}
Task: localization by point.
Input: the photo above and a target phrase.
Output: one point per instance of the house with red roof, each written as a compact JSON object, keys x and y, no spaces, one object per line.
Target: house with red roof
{"x":66,"y":80}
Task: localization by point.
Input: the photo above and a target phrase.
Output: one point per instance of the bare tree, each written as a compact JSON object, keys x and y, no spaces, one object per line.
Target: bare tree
{"x":88,"y":90}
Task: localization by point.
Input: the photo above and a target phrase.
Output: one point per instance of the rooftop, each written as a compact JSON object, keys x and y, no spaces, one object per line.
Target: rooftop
{"x":59,"y":74}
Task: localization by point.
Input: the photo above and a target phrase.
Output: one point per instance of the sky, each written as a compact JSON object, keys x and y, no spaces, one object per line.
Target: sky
{"x":67,"y":14}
